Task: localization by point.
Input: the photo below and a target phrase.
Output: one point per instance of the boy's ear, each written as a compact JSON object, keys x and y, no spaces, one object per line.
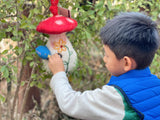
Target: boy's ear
{"x":129,"y":63}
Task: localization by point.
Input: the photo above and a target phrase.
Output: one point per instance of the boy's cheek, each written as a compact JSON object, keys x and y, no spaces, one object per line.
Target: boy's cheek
{"x":105,"y":59}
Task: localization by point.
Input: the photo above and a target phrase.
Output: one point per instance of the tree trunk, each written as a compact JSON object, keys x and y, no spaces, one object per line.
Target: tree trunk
{"x":34,"y":92}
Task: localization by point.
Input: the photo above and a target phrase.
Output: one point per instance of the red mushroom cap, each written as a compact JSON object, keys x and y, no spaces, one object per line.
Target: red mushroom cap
{"x":56,"y":25}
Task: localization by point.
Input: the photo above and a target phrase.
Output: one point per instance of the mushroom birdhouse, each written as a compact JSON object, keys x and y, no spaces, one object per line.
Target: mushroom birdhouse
{"x":56,"y":27}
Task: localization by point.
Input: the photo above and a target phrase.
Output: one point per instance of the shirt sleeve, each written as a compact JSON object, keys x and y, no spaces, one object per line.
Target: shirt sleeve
{"x":98,"y":104}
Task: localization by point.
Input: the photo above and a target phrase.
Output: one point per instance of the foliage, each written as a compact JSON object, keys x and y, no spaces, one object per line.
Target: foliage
{"x":91,"y":16}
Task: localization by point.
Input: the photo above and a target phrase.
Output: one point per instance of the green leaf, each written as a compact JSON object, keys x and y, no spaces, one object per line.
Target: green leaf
{"x":33,"y":83}
{"x":34,"y":76}
{"x":8,"y":80}
{"x":4,"y":52}
{"x":10,"y":46}
{"x":23,"y":83}
{"x":14,"y":38}
{"x":26,"y":46}
{"x":3,"y":21}
{"x":15,"y":32}
{"x":9,"y":29}
{"x":2,"y":98}
{"x":40,"y":85}
{"x":100,"y":12}
{"x":31,"y":64}
{"x":4,"y":59}
{"x":88,"y":34}
{"x":32,"y":27}
{"x":2,"y":34}
{"x":20,"y":50}
{"x":29,"y":58}
{"x":5,"y":71}
{"x":109,"y":4}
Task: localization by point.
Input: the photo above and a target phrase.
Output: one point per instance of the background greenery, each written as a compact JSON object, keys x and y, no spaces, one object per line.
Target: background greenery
{"x":91,"y":16}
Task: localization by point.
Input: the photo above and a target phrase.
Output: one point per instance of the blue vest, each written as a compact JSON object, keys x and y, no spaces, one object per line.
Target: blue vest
{"x":141,"y":90}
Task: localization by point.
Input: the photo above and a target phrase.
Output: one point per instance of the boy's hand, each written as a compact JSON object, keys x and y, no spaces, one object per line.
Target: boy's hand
{"x":55,"y":64}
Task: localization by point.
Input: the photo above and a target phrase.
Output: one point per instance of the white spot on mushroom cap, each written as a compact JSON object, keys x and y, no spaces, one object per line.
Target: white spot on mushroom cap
{"x":69,"y":20}
{"x":59,"y":22}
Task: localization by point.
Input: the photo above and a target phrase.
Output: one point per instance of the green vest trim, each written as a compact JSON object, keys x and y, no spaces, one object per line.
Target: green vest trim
{"x":130,"y":114}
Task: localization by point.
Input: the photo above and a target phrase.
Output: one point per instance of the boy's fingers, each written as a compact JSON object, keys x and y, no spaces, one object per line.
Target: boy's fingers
{"x":54,"y":57}
{"x":57,"y":55}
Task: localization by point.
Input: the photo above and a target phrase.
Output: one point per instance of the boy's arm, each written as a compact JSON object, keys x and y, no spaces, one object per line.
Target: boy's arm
{"x":99,"y":104}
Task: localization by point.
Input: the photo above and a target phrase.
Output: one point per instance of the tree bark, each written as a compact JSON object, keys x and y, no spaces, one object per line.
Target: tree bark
{"x":34,"y":92}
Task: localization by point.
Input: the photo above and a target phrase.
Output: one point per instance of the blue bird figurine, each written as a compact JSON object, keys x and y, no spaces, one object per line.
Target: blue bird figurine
{"x":43,"y":52}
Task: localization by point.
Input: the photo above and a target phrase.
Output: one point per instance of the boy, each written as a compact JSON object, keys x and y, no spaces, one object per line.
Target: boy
{"x":133,"y":93}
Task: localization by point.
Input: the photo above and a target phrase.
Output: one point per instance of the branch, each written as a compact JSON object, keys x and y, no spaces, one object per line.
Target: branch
{"x":20,"y":75}
{"x":9,"y":85}
{"x":11,"y":24}
{"x":7,"y":16}
{"x":18,"y":86}
{"x":12,"y":60}
{"x":0,"y":111}
{"x":26,"y":93}
{"x":5,"y":25}
{"x":94,"y":2}
{"x":4,"y":63}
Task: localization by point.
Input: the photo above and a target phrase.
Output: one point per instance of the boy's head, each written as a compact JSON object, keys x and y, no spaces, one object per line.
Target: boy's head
{"x":134,"y":35}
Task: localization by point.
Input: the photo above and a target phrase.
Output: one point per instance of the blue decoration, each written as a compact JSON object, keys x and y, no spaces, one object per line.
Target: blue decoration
{"x":43,"y":52}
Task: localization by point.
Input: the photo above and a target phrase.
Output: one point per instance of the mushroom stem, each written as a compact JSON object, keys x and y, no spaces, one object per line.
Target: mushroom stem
{"x":58,"y":41}
{"x":57,"y":37}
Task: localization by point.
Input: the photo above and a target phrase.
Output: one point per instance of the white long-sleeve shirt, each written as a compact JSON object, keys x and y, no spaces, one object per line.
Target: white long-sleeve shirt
{"x":98,"y":104}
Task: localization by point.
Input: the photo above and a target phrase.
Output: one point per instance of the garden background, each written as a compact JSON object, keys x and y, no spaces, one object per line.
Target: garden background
{"x":21,"y":70}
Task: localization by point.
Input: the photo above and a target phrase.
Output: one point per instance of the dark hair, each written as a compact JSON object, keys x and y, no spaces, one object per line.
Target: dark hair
{"x":134,"y":35}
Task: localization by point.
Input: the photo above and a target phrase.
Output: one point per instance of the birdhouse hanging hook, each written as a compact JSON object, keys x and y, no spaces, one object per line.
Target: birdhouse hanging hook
{"x":54,"y":7}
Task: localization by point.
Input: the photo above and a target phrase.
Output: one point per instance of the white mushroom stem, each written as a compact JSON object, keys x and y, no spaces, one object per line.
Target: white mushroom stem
{"x":57,"y":38}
